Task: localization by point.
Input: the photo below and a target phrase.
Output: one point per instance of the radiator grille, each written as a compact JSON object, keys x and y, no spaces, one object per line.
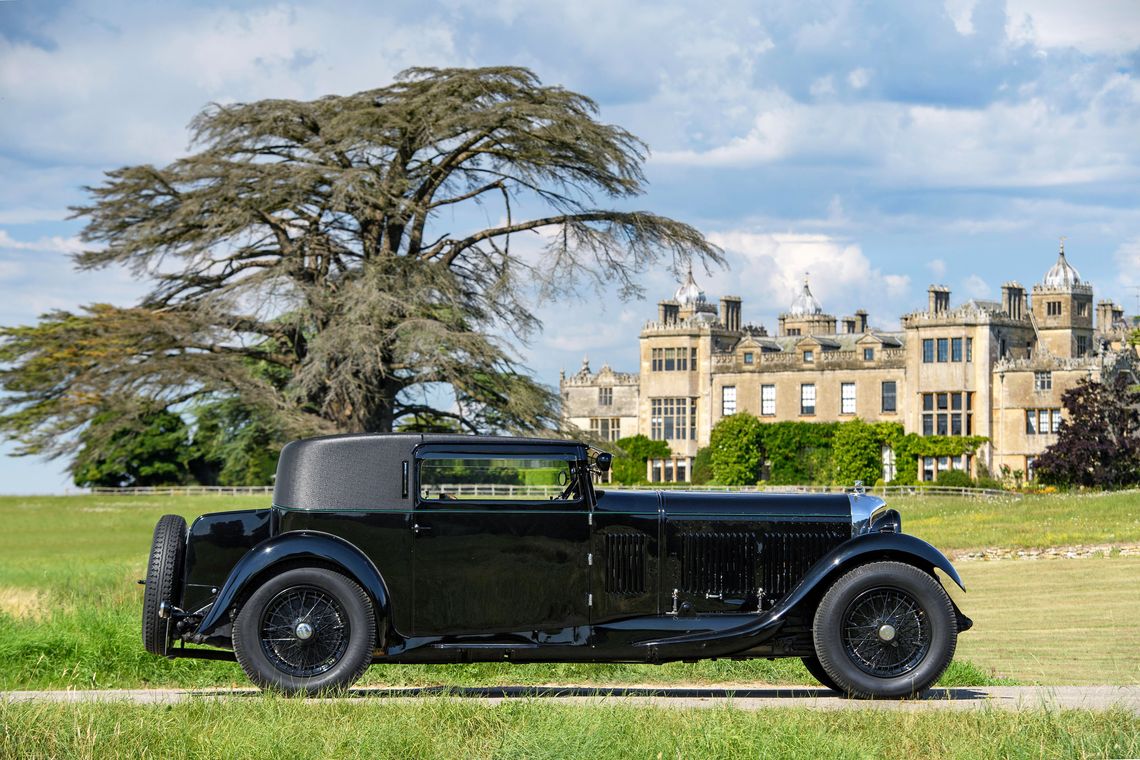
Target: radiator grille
{"x":718,"y":563}
{"x":788,"y":555}
{"x":625,"y":563}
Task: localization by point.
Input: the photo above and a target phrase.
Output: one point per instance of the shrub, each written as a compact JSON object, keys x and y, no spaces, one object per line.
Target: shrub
{"x":736,"y":450}
{"x":955,"y":479}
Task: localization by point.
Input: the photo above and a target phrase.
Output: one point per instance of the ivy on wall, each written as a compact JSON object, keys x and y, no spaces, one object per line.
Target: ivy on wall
{"x":822,"y":452}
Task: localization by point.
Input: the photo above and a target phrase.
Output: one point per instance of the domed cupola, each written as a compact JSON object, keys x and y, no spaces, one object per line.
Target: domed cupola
{"x":692,"y":301}
{"x":805,"y":304}
{"x":1062,"y":274}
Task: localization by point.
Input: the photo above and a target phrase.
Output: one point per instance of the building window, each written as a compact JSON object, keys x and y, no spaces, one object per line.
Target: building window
{"x":1082,"y":308}
{"x":1082,"y":345}
{"x":955,"y":349}
{"x":927,"y":350}
{"x":768,"y":400}
{"x":605,"y":396}
{"x":807,"y":398}
{"x":793,"y":331}
{"x":1053,"y":308}
{"x":889,"y":469}
{"x":868,"y":354}
{"x":672,"y":419}
{"x":1042,"y":421}
{"x":943,"y":350}
{"x":847,"y":398}
{"x":809,"y":356}
{"x":1042,"y":381}
{"x":747,"y":357}
{"x":727,"y":400}
{"x":969,"y":349}
{"x":947,"y":413}
{"x":890,"y":398}
{"x":673,"y":359}
{"x":606,"y":428}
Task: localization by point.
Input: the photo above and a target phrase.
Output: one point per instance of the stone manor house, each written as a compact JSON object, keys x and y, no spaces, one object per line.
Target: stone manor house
{"x":988,"y":368}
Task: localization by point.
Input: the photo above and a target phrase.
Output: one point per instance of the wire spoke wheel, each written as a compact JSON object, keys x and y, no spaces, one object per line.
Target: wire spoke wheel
{"x":886,"y":632}
{"x":304,"y":631}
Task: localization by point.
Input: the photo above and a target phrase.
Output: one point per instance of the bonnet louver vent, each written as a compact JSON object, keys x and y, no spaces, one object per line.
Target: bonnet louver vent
{"x":625,"y":563}
{"x":788,"y":555}
{"x":718,"y":563}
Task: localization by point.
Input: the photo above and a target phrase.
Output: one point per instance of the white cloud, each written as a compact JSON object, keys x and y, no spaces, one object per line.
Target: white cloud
{"x":767,"y":270}
{"x":119,"y":84}
{"x":54,"y":243}
{"x":859,"y":78}
{"x":822,"y":87}
{"x":961,"y":13}
{"x":976,"y":287}
{"x":1127,"y":259}
{"x":937,"y":267}
{"x":1104,"y":26}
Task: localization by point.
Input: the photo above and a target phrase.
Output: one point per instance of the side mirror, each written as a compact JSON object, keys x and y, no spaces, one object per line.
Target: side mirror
{"x":603,"y":461}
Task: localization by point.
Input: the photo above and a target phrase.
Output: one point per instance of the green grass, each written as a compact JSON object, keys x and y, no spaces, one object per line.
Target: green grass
{"x":1054,"y":621}
{"x":449,"y":728}
{"x":951,"y":522}
{"x":69,"y":606}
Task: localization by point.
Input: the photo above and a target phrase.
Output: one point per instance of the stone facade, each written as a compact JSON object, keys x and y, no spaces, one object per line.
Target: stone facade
{"x":988,"y":368}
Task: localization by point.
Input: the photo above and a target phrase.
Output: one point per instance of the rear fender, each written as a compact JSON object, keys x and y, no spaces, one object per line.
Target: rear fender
{"x":299,"y":547}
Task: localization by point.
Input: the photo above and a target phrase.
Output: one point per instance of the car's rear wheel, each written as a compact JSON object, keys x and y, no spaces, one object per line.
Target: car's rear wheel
{"x":305,"y":631}
{"x":886,"y":630}
{"x":163,"y":581}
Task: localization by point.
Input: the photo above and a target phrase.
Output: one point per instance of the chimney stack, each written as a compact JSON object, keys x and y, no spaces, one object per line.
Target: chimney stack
{"x":730,"y":312}
{"x":939,"y":299}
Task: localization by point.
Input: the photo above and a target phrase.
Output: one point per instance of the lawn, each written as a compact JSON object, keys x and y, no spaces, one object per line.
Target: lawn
{"x":69,"y":606}
{"x":269,"y":727}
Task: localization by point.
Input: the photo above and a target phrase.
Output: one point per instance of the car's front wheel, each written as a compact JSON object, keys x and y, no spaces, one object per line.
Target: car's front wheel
{"x":307,"y":631}
{"x":886,"y":630}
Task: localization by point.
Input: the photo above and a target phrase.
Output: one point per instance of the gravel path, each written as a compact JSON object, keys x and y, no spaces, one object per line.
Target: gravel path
{"x":1077,"y":551}
{"x":741,"y":697}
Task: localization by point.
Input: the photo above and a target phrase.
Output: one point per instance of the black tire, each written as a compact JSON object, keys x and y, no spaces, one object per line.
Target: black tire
{"x":163,"y":581}
{"x":885,"y":630}
{"x":815,"y":667}
{"x":332,"y":653}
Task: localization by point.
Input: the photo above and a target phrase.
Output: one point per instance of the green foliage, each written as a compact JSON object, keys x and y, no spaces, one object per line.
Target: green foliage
{"x":629,"y":467}
{"x":377,"y":228}
{"x":956,"y":479}
{"x":702,"y":467}
{"x":801,"y":453}
{"x":736,"y":451}
{"x":235,"y":445}
{"x":1098,"y":444}
{"x":147,"y":450}
{"x":857,"y":453}
{"x":798,"y":452}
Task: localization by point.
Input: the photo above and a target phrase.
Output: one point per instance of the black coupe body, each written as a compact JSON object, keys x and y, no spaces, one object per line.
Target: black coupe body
{"x":433,"y":549}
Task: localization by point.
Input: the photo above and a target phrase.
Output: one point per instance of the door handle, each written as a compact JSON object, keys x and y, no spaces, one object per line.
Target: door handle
{"x":417,"y":528}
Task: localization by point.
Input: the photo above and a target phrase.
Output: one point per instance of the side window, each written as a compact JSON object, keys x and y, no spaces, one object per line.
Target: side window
{"x":444,"y":477}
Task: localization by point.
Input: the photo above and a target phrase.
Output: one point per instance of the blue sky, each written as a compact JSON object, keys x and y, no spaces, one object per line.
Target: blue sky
{"x":882,"y":146}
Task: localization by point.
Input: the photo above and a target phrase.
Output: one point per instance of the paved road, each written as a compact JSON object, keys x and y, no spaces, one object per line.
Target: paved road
{"x":742,"y":697}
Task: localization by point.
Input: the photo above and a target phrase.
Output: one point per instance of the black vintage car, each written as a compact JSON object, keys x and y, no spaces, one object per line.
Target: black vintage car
{"x":436,"y":549}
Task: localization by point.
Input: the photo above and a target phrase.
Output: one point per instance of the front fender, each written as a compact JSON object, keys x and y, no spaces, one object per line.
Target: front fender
{"x":869,"y":546}
{"x":299,"y":545}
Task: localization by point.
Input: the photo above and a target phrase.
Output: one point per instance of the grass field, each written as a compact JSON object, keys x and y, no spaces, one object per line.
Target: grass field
{"x":446,"y":728}
{"x":69,"y":606}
